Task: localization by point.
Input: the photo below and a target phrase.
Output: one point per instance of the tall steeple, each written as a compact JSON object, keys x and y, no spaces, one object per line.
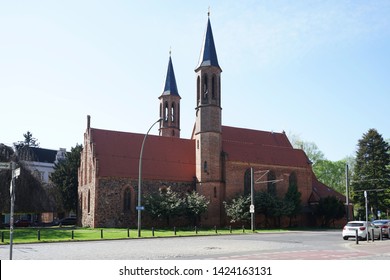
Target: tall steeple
{"x":170,"y":105}
{"x":208,"y":127}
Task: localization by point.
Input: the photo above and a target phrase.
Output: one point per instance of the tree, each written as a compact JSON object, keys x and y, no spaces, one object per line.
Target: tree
{"x":292,"y":199}
{"x":331,"y":173}
{"x":65,"y":178}
{"x":238,"y":209}
{"x":310,"y":148}
{"x":164,"y":204}
{"x":195,"y":205}
{"x":29,"y":141}
{"x":372,"y":173}
{"x":329,"y":209}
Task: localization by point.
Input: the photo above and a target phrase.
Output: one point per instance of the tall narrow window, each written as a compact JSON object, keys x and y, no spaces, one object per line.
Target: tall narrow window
{"x":127,"y":200}
{"x":166,"y":112}
{"x":89,"y":201}
{"x":215,"y":192}
{"x":198,"y":91}
{"x":271,"y":185}
{"x":173,"y":112}
{"x":213,"y":87}
{"x":247,"y":182}
{"x":205,"y":168}
{"x":205,"y":88}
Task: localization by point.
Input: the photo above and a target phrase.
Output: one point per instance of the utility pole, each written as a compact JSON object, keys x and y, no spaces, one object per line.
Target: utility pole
{"x":252,"y":207}
{"x":347,"y":190}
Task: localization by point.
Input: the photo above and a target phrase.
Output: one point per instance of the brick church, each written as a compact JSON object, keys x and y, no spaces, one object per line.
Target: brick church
{"x":215,"y":161}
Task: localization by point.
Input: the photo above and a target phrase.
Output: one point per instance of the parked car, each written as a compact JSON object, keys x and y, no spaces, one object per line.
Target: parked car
{"x":384,"y":225}
{"x":350,"y":228}
{"x":69,"y":221}
{"x":23,"y":223}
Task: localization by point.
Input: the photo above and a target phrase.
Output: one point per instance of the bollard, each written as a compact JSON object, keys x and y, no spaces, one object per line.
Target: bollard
{"x":196,"y":229}
{"x":215,"y":228}
{"x":39,"y":235}
{"x":373,"y":236}
{"x":230,"y":229}
{"x":381,"y":235}
{"x":128,"y":232}
{"x":153,"y":231}
{"x":243,"y":229}
{"x":101,"y":234}
{"x":72,"y":234}
{"x":2,"y":237}
{"x":357,"y":237}
{"x":174,"y":230}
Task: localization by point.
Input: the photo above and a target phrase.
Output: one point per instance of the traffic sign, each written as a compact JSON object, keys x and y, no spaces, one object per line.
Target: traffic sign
{"x":17,"y":172}
{"x":5,"y":165}
{"x":140,"y":208}
{"x":252,"y":208}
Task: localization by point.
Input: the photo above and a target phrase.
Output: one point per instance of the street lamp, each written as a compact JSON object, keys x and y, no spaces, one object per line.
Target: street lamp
{"x":140,"y":207}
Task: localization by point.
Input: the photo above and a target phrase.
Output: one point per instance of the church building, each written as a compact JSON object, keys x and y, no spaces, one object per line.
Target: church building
{"x":215,"y":162}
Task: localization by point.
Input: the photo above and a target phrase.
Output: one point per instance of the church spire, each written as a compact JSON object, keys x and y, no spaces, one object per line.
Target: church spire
{"x":170,"y":105}
{"x":170,"y":87}
{"x":208,"y":54}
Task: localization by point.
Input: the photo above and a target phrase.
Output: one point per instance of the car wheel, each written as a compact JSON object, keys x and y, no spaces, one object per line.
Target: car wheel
{"x":345,"y":237}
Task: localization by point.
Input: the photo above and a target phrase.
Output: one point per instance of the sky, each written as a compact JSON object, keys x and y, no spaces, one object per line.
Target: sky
{"x":318,"y":70}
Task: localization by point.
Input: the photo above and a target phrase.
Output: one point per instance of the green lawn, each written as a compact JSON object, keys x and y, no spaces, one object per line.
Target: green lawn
{"x":55,"y":234}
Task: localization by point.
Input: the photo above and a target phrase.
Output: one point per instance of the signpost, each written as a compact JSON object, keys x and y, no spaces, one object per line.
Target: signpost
{"x":5,"y":165}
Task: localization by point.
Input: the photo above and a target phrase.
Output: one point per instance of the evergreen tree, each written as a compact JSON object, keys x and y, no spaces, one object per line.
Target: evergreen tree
{"x":372,"y":172}
{"x":65,"y":178}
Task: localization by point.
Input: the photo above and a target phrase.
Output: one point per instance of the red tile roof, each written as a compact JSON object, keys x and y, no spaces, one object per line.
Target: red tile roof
{"x":255,"y":146}
{"x":244,"y":135}
{"x":164,"y":158}
{"x":321,"y":190}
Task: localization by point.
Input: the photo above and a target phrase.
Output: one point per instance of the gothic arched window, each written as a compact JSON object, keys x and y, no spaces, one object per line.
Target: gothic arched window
{"x":213,"y":87}
{"x":247,"y":182}
{"x":127,"y":200}
{"x":271,"y":185}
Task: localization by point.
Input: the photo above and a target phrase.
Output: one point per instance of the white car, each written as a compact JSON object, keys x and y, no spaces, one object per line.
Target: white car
{"x":350,"y":228}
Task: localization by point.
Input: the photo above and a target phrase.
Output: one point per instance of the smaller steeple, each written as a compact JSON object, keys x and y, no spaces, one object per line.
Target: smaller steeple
{"x":208,"y":54}
{"x":170,"y":87}
{"x":170,"y":105}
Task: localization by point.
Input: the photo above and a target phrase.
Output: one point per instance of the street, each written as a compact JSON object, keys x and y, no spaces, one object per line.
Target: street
{"x":296,"y":245}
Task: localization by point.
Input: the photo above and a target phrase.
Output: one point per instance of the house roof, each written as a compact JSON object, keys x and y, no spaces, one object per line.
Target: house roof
{"x":255,"y":146}
{"x":38,"y":154}
{"x":164,"y":158}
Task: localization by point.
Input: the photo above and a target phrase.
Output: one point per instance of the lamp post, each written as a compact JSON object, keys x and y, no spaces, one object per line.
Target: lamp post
{"x":139,"y":207}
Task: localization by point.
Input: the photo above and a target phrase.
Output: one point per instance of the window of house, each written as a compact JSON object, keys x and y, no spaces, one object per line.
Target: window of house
{"x":205,"y":168}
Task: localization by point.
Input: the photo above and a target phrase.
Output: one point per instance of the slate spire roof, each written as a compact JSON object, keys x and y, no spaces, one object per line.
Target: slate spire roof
{"x":208,"y":54}
{"x":170,"y":87}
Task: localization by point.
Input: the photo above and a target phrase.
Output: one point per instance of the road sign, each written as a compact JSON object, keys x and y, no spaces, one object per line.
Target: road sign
{"x":5,"y":165}
{"x":17,"y":172}
{"x":140,"y":208}
{"x":252,"y":208}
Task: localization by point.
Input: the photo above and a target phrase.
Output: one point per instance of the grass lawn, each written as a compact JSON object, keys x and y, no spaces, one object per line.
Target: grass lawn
{"x":55,"y":234}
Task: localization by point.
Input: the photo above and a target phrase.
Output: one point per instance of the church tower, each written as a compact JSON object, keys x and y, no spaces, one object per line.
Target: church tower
{"x":208,"y":128}
{"x":170,"y":105}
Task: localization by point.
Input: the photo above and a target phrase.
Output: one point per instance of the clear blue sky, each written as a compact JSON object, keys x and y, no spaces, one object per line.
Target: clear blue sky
{"x":316,"y":69}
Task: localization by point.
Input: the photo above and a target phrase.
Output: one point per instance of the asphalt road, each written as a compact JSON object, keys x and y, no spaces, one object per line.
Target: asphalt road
{"x":299,"y":245}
